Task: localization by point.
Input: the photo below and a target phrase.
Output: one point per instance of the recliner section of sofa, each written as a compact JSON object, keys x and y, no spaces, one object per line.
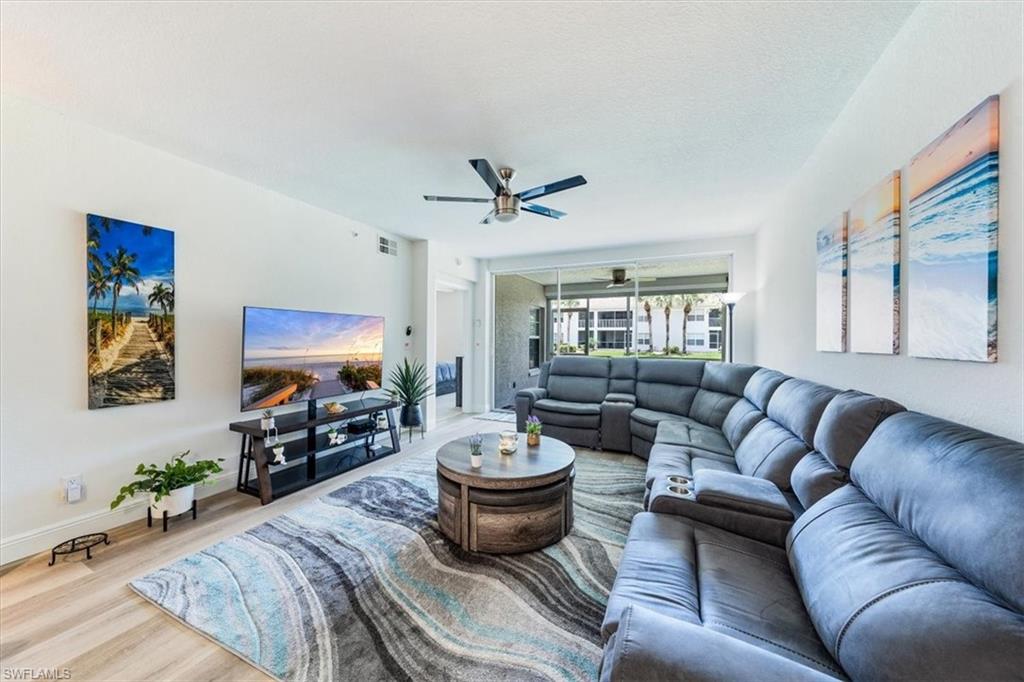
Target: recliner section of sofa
{"x":909,"y":571}
{"x":570,"y":403}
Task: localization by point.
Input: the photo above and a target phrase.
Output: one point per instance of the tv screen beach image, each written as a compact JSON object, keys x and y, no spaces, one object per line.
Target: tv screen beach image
{"x":130,"y":288}
{"x":873,"y":269}
{"x":293,"y":356}
{"x":953,"y":230}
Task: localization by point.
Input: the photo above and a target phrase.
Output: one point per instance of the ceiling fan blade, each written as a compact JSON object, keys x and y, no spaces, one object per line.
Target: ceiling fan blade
{"x":488,"y":219}
{"x":551,"y":188}
{"x":486,"y":171}
{"x":468,"y":200}
{"x":543,"y":210}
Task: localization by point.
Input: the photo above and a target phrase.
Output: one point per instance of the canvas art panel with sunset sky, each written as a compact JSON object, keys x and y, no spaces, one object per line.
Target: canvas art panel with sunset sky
{"x":873,"y":266}
{"x":130,"y":292}
{"x":293,"y":355}
{"x":830,"y":319}
{"x":952,"y":267}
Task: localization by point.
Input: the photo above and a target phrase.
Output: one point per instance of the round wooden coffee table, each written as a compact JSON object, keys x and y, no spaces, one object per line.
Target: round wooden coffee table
{"x":513,"y":503}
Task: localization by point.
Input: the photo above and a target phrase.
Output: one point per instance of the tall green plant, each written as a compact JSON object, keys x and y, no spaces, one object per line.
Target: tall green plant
{"x":409,"y":383}
{"x":175,"y":474}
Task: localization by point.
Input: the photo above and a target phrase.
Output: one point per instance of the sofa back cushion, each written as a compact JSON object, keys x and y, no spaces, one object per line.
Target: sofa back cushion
{"x":623,"y":376}
{"x":578,"y":379}
{"x":797,"y":406}
{"x":845,"y":426}
{"x":770,"y":451}
{"x":762,"y":386}
{"x":668,"y":385}
{"x":721,"y":387}
{"x":913,"y":570}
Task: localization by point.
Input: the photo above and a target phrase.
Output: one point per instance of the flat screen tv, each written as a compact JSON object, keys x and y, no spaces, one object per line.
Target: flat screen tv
{"x":293,"y":356}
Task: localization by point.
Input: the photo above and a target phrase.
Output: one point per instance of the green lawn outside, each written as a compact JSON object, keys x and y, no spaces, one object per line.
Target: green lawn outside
{"x":618,"y":353}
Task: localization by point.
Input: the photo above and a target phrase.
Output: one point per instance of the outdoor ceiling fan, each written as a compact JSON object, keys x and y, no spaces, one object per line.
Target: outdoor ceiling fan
{"x":619,"y":279}
{"x":506,"y":204}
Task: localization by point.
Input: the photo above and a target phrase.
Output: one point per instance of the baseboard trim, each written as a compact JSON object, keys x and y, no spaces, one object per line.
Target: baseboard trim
{"x":42,"y":539}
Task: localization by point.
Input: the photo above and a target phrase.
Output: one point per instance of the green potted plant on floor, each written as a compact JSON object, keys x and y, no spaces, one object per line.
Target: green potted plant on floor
{"x":409,"y":386}
{"x":171,"y":488}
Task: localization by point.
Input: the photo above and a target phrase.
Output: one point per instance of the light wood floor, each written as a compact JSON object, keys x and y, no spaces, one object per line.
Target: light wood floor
{"x":81,"y":615}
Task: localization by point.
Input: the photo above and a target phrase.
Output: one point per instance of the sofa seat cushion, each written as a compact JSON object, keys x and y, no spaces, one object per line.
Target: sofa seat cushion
{"x":693,"y":434}
{"x":666,"y":460}
{"x":654,"y":417}
{"x":567,"y":413}
{"x":725,"y":582}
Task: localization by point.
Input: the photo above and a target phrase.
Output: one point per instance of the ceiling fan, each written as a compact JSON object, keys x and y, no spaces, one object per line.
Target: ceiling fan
{"x":506,"y":204}
{"x":619,"y":279}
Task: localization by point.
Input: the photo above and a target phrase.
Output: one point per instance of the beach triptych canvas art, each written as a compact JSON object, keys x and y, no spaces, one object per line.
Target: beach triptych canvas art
{"x":831,"y":287}
{"x":130,"y":292}
{"x":953,"y":189}
{"x":873,"y":257}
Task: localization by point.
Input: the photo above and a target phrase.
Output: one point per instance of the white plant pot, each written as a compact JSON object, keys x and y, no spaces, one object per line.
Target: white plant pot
{"x":266,"y":424}
{"x":178,"y":502}
{"x":476,"y":461}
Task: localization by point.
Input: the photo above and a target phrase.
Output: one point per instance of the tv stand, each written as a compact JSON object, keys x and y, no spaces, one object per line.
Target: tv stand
{"x":312,"y":459}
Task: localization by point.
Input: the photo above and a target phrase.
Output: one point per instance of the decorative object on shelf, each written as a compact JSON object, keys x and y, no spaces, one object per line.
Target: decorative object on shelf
{"x":267,"y":420}
{"x":335,"y":437}
{"x":334,"y":408}
{"x":130,"y":286}
{"x":476,"y":455}
{"x":409,"y":387}
{"x":81,"y":543}
{"x":278,"y":451}
{"x":533,"y":429}
{"x":873,"y":267}
{"x":171,"y":489}
{"x":508,"y":442}
{"x":730,"y":299}
{"x":953,"y":228}
{"x":382,"y":420}
{"x":830,"y":318}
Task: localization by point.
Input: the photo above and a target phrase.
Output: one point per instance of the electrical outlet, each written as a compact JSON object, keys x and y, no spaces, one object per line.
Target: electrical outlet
{"x":72,"y":488}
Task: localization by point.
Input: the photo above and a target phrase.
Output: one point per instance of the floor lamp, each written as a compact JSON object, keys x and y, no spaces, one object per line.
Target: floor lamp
{"x":730,"y":299}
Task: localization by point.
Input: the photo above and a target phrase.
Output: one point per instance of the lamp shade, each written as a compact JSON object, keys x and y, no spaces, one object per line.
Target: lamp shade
{"x":732,"y":297}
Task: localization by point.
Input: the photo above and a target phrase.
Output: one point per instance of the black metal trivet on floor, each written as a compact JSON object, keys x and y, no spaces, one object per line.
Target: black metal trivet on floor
{"x":86,"y":542}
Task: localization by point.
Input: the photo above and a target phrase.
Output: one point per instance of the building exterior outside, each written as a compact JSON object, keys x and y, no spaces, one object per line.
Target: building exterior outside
{"x":611,"y":321}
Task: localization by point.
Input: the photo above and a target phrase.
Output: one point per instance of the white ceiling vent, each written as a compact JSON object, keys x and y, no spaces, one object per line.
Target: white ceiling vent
{"x":387,"y":246}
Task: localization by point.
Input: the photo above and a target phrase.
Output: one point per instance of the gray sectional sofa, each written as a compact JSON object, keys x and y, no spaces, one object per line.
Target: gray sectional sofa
{"x":796,"y":531}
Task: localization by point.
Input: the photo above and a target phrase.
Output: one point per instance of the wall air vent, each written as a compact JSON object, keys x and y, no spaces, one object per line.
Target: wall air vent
{"x":387,"y":246}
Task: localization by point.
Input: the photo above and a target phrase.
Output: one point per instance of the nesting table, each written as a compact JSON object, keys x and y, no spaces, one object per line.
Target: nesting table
{"x":512,"y":503}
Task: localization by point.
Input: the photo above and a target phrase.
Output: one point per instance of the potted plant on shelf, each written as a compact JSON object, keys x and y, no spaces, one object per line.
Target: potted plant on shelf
{"x":409,"y":386}
{"x":533,"y":429}
{"x":267,"y":420}
{"x":171,"y":488}
{"x":476,"y":454}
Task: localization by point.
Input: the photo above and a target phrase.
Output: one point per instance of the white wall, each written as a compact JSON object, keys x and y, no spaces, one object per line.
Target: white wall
{"x":742,"y":277}
{"x":945,"y":60}
{"x":236,"y":244}
{"x":451,"y":325}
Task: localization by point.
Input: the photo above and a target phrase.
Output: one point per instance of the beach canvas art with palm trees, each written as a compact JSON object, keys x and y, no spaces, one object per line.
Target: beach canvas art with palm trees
{"x":873,"y":267}
{"x":130,"y":287}
{"x":953,"y":251}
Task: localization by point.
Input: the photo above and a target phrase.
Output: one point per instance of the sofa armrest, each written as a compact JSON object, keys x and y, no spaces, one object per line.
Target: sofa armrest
{"x":744,"y":494}
{"x":615,"y":434}
{"x":650,"y":647}
{"x":524,"y":405}
{"x":620,"y":398}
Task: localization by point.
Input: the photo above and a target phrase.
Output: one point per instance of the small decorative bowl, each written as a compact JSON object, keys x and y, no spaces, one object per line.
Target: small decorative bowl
{"x":508,"y":441}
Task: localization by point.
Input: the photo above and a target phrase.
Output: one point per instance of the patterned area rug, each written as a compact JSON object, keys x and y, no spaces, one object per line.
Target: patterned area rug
{"x":360,"y":585}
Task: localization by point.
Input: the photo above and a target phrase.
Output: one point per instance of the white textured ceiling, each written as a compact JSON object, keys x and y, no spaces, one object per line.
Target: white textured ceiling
{"x":686,"y":118}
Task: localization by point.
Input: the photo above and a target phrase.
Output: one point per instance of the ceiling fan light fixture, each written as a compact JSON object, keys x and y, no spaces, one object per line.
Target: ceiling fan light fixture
{"x":506,"y":208}
{"x":506,"y":216}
